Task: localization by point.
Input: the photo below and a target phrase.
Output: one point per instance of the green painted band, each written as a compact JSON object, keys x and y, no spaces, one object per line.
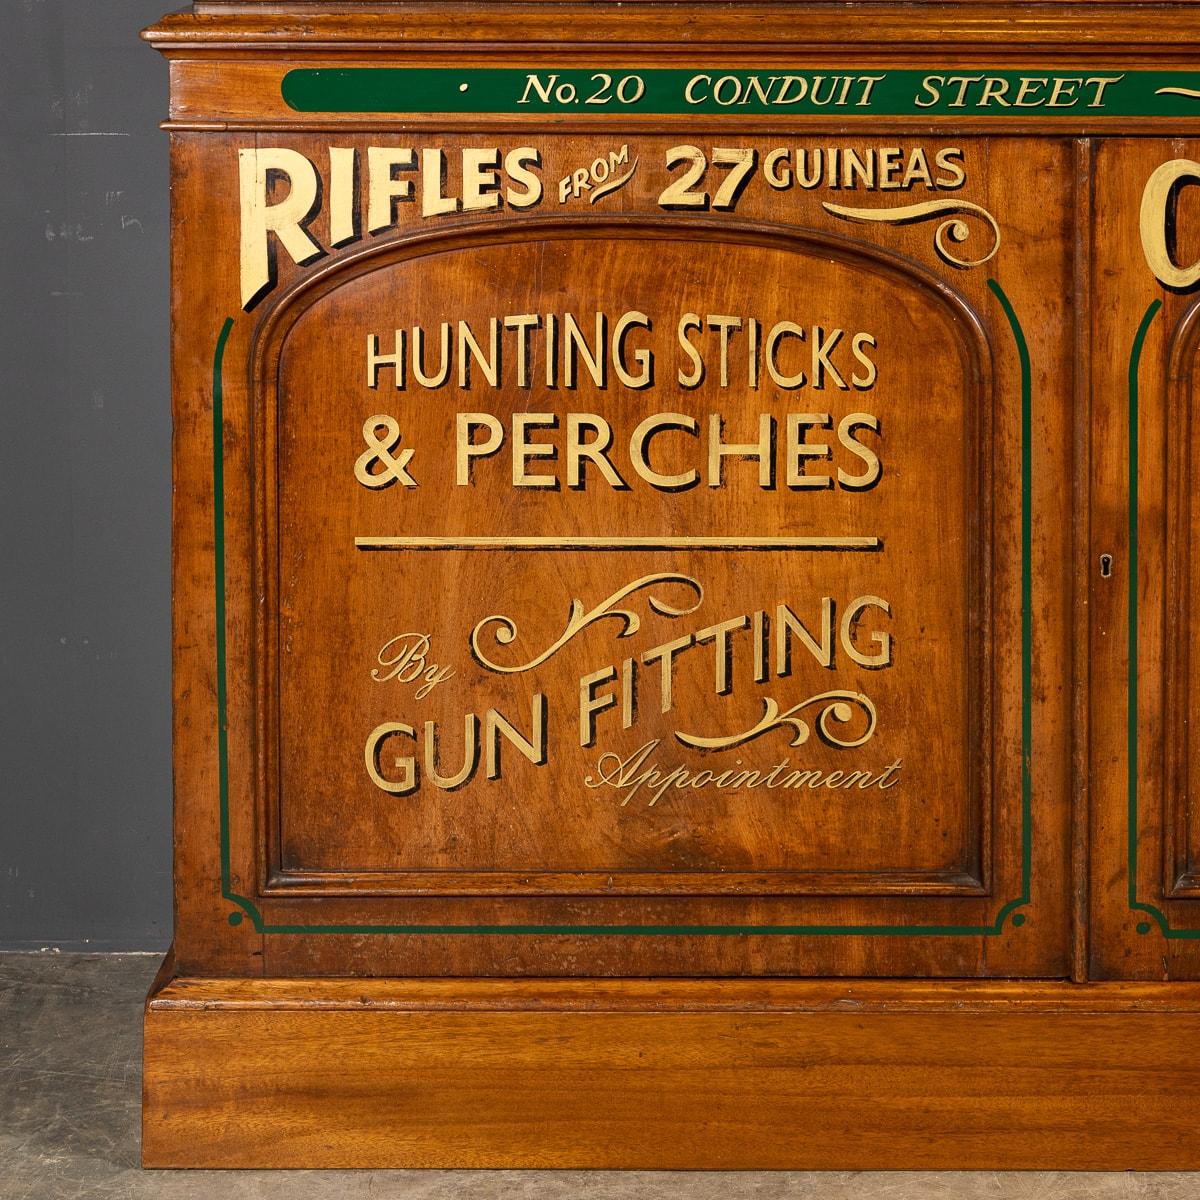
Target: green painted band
{"x":667,"y":91}
{"x":1007,"y":913}
{"x":1131,"y":763}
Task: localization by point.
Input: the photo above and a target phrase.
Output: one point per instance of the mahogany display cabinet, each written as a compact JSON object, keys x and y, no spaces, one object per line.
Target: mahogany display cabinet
{"x":682,"y":586}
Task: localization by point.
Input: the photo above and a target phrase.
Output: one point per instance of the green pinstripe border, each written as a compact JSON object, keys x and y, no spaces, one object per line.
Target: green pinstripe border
{"x":1159,"y":917}
{"x":246,"y":908}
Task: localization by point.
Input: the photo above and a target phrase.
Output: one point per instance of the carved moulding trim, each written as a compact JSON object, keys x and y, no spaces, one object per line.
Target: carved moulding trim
{"x":1181,"y":880}
{"x":966,"y":880}
{"x":267,"y":345}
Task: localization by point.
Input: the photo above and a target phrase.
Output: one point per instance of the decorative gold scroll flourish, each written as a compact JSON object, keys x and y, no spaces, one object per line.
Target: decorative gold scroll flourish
{"x":836,"y":706}
{"x":578,"y":620}
{"x":613,"y":184}
{"x":953,"y":229}
{"x":1191,"y":93}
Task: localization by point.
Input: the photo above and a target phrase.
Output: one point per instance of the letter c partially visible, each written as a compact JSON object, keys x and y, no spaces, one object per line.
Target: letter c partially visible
{"x":1157,"y":202}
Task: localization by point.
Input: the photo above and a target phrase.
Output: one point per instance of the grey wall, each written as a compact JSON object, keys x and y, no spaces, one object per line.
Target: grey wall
{"x":85,"y":783}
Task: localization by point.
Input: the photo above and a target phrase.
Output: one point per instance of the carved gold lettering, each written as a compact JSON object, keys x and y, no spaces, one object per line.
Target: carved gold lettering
{"x":283,"y":220}
{"x":1157,"y":222}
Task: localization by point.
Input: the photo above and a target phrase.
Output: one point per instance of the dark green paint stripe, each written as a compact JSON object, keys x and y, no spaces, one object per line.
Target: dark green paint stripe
{"x":647,"y":930}
{"x":1135,"y":358}
{"x":996,"y":927}
{"x":1159,"y":917}
{"x":219,"y":584}
{"x":1026,"y":592}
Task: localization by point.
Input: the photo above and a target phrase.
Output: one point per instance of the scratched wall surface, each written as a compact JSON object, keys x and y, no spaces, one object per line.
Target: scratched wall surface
{"x":85,"y":773}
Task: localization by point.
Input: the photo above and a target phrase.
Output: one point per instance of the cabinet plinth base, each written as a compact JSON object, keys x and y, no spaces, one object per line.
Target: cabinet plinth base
{"x":671,"y":1074}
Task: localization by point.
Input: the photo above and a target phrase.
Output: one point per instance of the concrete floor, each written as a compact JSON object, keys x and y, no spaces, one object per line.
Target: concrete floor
{"x":70,"y":1073}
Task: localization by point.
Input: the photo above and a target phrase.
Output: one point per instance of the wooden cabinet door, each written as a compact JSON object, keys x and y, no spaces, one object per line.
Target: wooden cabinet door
{"x":1145,"y":829}
{"x":670,"y":575}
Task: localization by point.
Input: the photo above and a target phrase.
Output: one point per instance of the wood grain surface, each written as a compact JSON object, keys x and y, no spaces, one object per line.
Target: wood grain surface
{"x":539,"y":847}
{"x":683,"y":626}
{"x":322,"y":1078}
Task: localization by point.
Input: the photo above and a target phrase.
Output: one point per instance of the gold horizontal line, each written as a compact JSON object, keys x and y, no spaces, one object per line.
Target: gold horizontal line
{"x":618,"y":543}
